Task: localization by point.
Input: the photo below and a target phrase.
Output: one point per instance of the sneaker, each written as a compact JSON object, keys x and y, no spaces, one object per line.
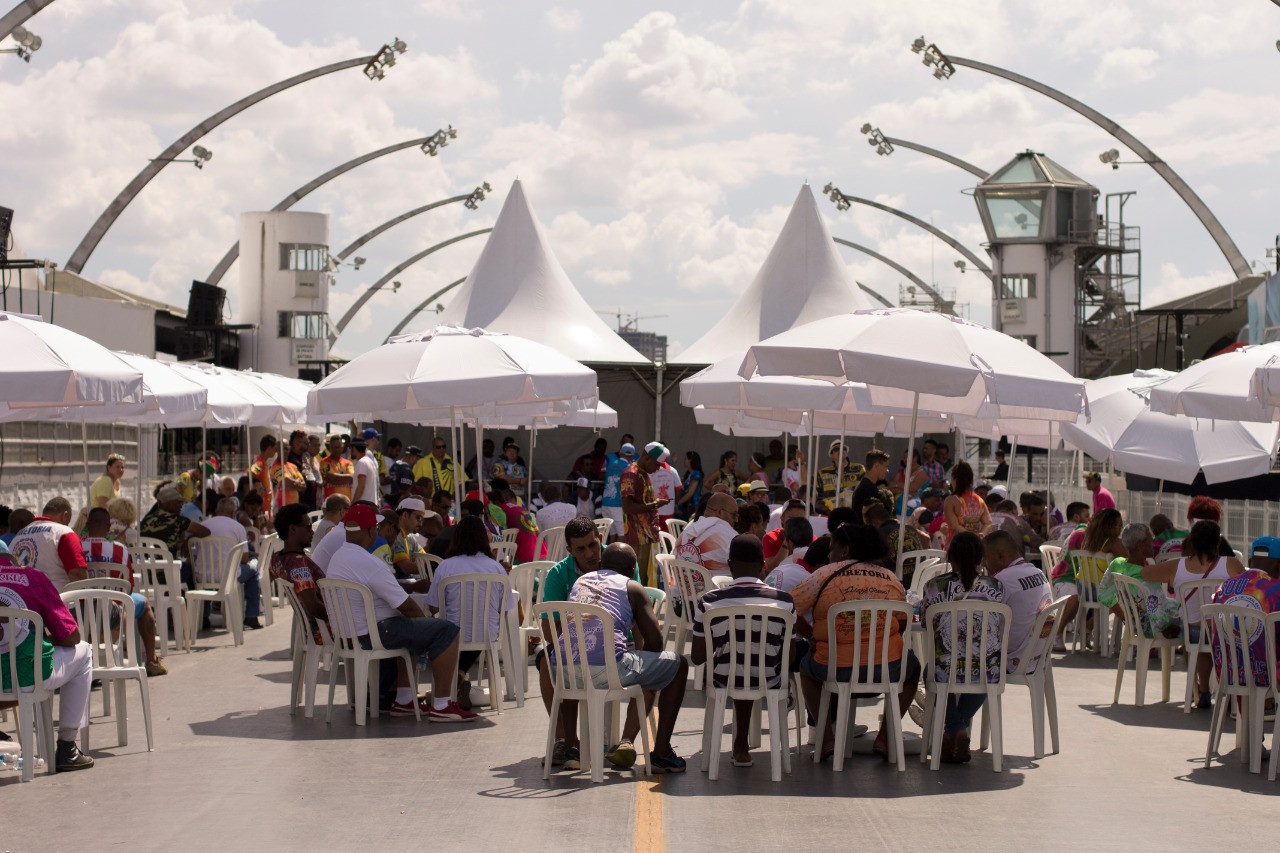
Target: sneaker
{"x":669,"y":763}
{"x":69,"y":757}
{"x":572,"y":759}
{"x":156,"y":668}
{"x":623,"y":755}
{"x":405,"y":709}
{"x":451,"y":713}
{"x":1206,"y":701}
{"x":464,"y":695}
{"x":254,"y":624}
{"x":558,"y":754}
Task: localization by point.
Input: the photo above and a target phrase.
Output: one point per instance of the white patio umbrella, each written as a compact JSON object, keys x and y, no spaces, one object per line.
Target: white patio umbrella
{"x":1235,"y":386}
{"x":921,"y":361}
{"x":46,"y":365}
{"x":1167,"y":447}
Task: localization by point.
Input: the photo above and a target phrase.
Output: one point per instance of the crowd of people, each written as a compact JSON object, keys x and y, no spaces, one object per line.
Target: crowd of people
{"x":383,"y":508}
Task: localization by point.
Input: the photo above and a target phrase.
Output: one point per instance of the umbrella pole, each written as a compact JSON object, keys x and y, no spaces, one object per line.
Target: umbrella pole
{"x":810,"y":499}
{"x":533,"y":443}
{"x":137,"y":506}
{"x":906,"y":482}
{"x":84,"y":452}
{"x":1013,"y":461}
{"x":844,"y":460}
{"x":458,"y":473}
{"x":1160,"y":495}
{"x":200,"y":471}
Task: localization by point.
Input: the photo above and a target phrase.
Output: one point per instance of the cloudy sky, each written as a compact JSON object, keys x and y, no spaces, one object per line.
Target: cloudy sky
{"x":660,"y":146}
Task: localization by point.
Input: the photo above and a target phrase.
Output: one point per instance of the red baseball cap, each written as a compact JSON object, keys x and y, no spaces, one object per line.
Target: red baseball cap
{"x":360,"y":517}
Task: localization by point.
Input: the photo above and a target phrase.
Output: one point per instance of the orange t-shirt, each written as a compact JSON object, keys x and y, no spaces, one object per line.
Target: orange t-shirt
{"x":855,"y":582}
{"x":341,"y":465}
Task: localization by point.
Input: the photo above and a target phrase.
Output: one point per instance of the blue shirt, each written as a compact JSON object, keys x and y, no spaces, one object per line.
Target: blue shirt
{"x":614,"y":465}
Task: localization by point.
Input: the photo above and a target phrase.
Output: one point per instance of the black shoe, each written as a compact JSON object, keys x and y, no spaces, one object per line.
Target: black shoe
{"x":69,"y":757}
{"x":254,"y":624}
{"x":96,"y":684}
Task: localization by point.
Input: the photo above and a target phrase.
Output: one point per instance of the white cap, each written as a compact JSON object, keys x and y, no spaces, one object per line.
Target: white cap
{"x":584,"y":483}
{"x":414,"y":504}
{"x":1001,"y":491}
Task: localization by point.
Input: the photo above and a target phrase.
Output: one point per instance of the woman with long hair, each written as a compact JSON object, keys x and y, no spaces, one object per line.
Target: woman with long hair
{"x":1102,"y":534}
{"x":727,"y":473}
{"x":964,"y":510}
{"x":692,"y":484}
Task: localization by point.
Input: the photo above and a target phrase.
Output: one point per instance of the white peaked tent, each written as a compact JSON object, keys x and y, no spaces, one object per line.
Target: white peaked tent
{"x":802,"y":279}
{"x":518,"y":287}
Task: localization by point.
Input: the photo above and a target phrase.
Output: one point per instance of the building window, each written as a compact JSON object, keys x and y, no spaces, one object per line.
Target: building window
{"x":1018,"y":286}
{"x":304,"y":256}
{"x":304,"y":325}
{"x":1029,"y":340}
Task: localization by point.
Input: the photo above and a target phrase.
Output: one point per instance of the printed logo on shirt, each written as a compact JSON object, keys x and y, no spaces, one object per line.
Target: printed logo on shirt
{"x":25,"y":551}
{"x":12,"y":634}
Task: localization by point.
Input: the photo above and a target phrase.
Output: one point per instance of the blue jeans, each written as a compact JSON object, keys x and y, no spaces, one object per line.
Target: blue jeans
{"x":960,"y":711}
{"x":252,"y":590}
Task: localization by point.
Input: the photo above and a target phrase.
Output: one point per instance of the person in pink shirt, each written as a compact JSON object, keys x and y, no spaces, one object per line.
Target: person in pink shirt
{"x":1102,"y":499}
{"x":65,"y":661}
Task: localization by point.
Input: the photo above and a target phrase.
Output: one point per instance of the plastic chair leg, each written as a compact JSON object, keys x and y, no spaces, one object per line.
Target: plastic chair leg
{"x":594,"y":744}
{"x":843,"y":700}
{"x":295,"y":679}
{"x":554,"y":715}
{"x":1115,"y":700}
{"x":1051,"y":708}
{"x":122,"y":712}
{"x":935,"y":736}
{"x":715,"y":737}
{"x":754,"y":737}
{"x":824,"y":709}
{"x":893,"y":730}
{"x":1037,"y":716}
{"x":776,"y":724}
{"x":362,"y":691}
{"x":638,"y":701}
{"x":26,"y":739}
{"x":145,"y":691}
{"x":333,"y":684}
{"x":997,"y":732}
{"x":1143,"y":651}
{"x":1275,"y":753}
{"x":1166,"y":672}
{"x":1253,"y":744}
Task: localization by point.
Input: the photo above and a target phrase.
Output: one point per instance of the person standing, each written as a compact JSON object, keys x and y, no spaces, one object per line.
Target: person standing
{"x":1102,"y":498}
{"x":300,"y":458}
{"x":400,"y":476}
{"x":831,"y":485}
{"x":367,"y":483}
{"x":261,"y":469}
{"x":666,"y":486}
{"x":510,"y":470}
{"x":640,"y":508}
{"x":611,"y":500}
{"x":336,"y":471}
{"x":873,"y":480}
{"x":438,"y":468}
{"x":691,"y":485}
{"x":107,"y":486}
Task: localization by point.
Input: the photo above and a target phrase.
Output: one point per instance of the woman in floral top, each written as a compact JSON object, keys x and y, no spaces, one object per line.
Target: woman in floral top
{"x":963,"y":583}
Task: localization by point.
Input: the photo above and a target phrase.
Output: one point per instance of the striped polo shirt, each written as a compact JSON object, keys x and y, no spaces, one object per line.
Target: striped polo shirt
{"x":743,"y":591}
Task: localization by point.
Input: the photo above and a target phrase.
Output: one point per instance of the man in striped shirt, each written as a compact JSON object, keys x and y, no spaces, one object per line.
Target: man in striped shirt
{"x":746,"y":563}
{"x":110,"y":559}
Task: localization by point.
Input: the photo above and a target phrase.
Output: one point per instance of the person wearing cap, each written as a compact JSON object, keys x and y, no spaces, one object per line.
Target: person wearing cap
{"x":400,"y":476}
{"x":611,"y":499}
{"x":874,"y":478}
{"x":400,"y":622}
{"x":436,"y":467}
{"x":588,"y":503}
{"x":373,"y":444}
{"x":648,"y":666}
{"x":1258,"y":588}
{"x":1102,"y":498}
{"x":839,"y":478}
{"x":557,"y":512}
{"x":746,"y":565}
{"x":640,"y":508}
{"x":773,"y":540}
{"x":336,"y":471}
{"x":388,"y":529}
{"x":758,"y":493}
{"x":405,"y":549}
{"x":666,"y":486}
{"x":508,"y":469}
{"x":367,"y":483}
{"x":791,"y":568}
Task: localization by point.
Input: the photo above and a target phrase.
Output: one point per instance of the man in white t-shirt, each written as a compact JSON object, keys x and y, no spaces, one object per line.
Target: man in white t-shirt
{"x":557,"y":512}
{"x":712,"y":534}
{"x":223,"y":523}
{"x":367,"y":485}
{"x":797,"y":536}
{"x":666,"y":487}
{"x":401,"y":623}
{"x":1026,"y":591}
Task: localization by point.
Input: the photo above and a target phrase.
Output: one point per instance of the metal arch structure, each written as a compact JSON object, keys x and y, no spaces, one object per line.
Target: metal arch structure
{"x":391,"y":223}
{"x":938,"y":302}
{"x":1239,"y":266}
{"x":306,"y":189}
{"x":108,"y":217}
{"x":876,"y":296}
{"x":395,"y":271}
{"x":19,"y":15}
{"x":978,"y":172}
{"x":408,"y":318}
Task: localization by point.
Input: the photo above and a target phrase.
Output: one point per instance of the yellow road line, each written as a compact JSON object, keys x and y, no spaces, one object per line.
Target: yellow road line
{"x":648,"y":836}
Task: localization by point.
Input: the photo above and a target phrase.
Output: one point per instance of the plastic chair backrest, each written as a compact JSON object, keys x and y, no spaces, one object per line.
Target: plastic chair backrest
{"x":1049,"y":557}
{"x":676,"y":527}
{"x":656,"y":598}
{"x":554,"y":540}
{"x":509,"y":534}
{"x":153,"y":548}
{"x":986,"y":632}
{"x":17,"y":623}
{"x":872,"y":619}
{"x":1131,"y":595}
{"x":267,"y":547}
{"x":1270,"y":626}
{"x":425,"y":565}
{"x":1090,"y":568}
{"x":503,"y":552}
{"x":529,"y":580}
{"x":93,"y":609}
{"x":668,"y":573}
{"x":919,"y":557}
{"x":301,"y":619}
{"x":210,"y":560}
{"x":314,"y":516}
{"x":1198,"y":592}
{"x":568,"y":624}
{"x":747,"y":644}
{"x":341,"y":598}
{"x":692,"y":582}
{"x":927,"y":570}
{"x":603,"y":526}
{"x":113,"y":584}
{"x":666,"y":542}
{"x":481,"y":595}
{"x":1040,"y":645}
{"x":1233,"y":629}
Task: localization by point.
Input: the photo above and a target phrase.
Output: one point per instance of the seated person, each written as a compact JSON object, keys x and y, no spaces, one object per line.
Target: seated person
{"x":853,"y":575}
{"x":335,"y":507}
{"x":962,"y":583}
{"x":406,"y":548}
{"x":401,"y":623}
{"x":1035,"y":514}
{"x":1257,"y":588}
{"x":1005,"y":517}
{"x":1077,"y":517}
{"x":66,"y":663}
{"x":797,"y":536}
{"x":613,"y":587}
{"x":746,"y":562}
{"x":49,"y":545}
{"x":18,"y":519}
{"x":1159,"y":612}
{"x":876,"y":515}
{"x":124,"y":519}
{"x":1026,"y":591}
{"x":388,"y":530}
{"x":469,"y":553}
{"x":705,"y":540}
{"x":1100,"y":536}
{"x":98,"y":549}
{"x":252,"y":517}
{"x":223,"y":523}
{"x":772,"y":539}
{"x":291,"y":564}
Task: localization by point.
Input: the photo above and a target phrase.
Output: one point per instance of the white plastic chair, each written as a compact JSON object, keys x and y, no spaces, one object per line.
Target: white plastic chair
{"x":528,"y":580}
{"x":667,"y":614}
{"x":692,"y":582}
{"x":115,"y":661}
{"x":1090,"y":568}
{"x":1201,"y":591}
{"x":1050,"y":554}
{"x":314,"y":516}
{"x":553,"y":539}
{"x":919,"y":556}
{"x":873,"y":619}
{"x":341,"y":598}
{"x":1271,"y":626}
{"x":749,"y":680}
{"x":1233,"y":626}
{"x":267,"y":547}
{"x":676,"y":527}
{"x":603,"y":526}
{"x":479,"y":593}
{"x":666,"y":543}
{"x":569,"y":625}
{"x":1132,"y":597}
{"x":1035,"y":672}
{"x":162,"y":584}
{"x":977,"y":617}
{"x":35,"y":706}
{"x":509,"y":534}
{"x":106,"y":582}
{"x":216,"y":561}
{"x":425,"y":565}
{"x":307,"y":656}
{"x":926,"y":570}
{"x":503,"y":552}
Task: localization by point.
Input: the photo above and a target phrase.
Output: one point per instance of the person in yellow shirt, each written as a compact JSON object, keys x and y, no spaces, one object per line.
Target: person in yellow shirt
{"x":107,"y":487}
{"x":337,"y":471}
{"x":436,"y":467}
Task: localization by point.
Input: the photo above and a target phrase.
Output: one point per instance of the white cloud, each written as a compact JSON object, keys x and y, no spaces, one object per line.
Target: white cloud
{"x":564,"y":20}
{"x":1124,"y":66}
{"x":452,"y":10}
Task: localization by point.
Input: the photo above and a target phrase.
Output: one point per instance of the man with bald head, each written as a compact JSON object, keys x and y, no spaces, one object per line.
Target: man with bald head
{"x":709,"y":536}
{"x":612,"y":587}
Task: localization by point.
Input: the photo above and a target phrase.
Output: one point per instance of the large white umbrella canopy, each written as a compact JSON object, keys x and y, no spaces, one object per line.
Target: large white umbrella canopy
{"x":236,"y":399}
{"x":289,"y":391}
{"x":1167,"y":447}
{"x":172,"y":399}
{"x":46,"y":365}
{"x":413,"y":377}
{"x":1224,"y":387}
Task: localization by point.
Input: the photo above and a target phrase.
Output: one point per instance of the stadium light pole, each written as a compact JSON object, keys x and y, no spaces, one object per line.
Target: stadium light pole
{"x":944,"y":66}
{"x":885,"y":146}
{"x":374,"y":66}
{"x":395,"y":271}
{"x":470,"y":200}
{"x":20,"y":14}
{"x":943,"y":305}
{"x":315,"y":183}
{"x":408,"y":318}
